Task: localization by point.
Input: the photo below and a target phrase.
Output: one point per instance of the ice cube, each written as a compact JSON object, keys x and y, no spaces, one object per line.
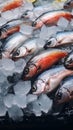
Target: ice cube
{"x":40,"y":43}
{"x":8,"y":64}
{"x":63,"y":23}
{"x":22,"y":87}
{"x":28,"y":5}
{"x":16,"y":13}
{"x":20,"y":101}
{"x":19,"y":65}
{"x":44,"y":32}
{"x":2,"y":21}
{"x":31,"y":98}
{"x":15,"y":112}
{"x":53,"y":30}
{"x":5,"y":87}
{"x":45,"y":103}
{"x":35,"y":108}
{"x":26,"y":29}
{"x":2,"y":109}
{"x":9,"y":100}
{"x":8,"y":15}
{"x":2,"y":77}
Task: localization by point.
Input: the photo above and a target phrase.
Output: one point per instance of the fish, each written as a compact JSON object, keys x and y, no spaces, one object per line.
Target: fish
{"x":68,"y":4}
{"x":28,"y":47}
{"x":50,"y":80}
{"x":42,"y":61}
{"x":12,"y":43}
{"x":68,"y":61}
{"x":10,"y":4}
{"x":51,"y":18}
{"x":65,"y":92}
{"x":10,"y":27}
{"x":60,"y":38}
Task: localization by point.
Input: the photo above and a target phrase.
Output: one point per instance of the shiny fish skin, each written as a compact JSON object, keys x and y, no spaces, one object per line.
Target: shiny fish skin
{"x":9,"y":5}
{"x":68,"y":4}
{"x":65,"y":92}
{"x":61,"y":38}
{"x":50,"y":79}
{"x":41,"y":62}
{"x":68,"y":62}
{"x":51,"y":18}
{"x":27,"y":48}
{"x":11,"y":43}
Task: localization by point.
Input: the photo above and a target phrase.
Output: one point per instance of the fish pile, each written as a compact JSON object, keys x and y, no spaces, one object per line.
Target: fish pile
{"x":36,"y":57}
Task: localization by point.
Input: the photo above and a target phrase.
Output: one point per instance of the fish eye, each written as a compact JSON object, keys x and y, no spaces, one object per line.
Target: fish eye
{"x":34,"y":88}
{"x":47,"y":44}
{"x":26,"y":71}
{"x":34,"y":24}
{"x":71,"y":60}
{"x":59,"y":95}
{"x":17,"y":53}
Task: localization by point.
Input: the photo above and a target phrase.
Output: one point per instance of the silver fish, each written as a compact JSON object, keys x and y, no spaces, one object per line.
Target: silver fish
{"x":65,"y":92}
{"x":68,"y":62}
{"x":50,"y":79}
{"x":29,"y":47}
{"x":12,"y":43}
{"x":68,"y":4}
{"x":61,"y":38}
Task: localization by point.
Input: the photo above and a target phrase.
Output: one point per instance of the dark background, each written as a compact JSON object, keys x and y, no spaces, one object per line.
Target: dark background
{"x":47,"y":122}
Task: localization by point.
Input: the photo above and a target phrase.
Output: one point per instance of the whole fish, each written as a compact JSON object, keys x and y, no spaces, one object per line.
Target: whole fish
{"x":61,"y":38}
{"x":11,"y":43}
{"x":51,"y":18}
{"x":42,"y":61}
{"x":65,"y":92}
{"x":68,"y":4}
{"x":28,"y":47}
{"x":68,"y":62}
{"x":10,"y":4}
{"x":50,"y":79}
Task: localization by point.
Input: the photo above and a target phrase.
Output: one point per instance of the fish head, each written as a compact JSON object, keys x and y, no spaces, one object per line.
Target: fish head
{"x":68,"y":63}
{"x":19,"y":53}
{"x":29,"y":71}
{"x":50,"y":43}
{"x":38,"y":87}
{"x":37,"y":24}
{"x":68,"y":4}
{"x":25,"y":14}
{"x":62,"y":95}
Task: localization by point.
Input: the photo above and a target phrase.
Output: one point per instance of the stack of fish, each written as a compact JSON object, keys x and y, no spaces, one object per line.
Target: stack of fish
{"x":36,"y":56}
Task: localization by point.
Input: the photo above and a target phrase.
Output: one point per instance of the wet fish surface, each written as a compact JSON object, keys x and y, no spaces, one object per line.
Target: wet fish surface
{"x":50,"y":80}
{"x":29,"y":47}
{"x":11,"y":43}
{"x":68,"y":4}
{"x":51,"y":18}
{"x":42,"y":61}
{"x":61,"y":38}
{"x":65,"y":92}
{"x":68,"y":62}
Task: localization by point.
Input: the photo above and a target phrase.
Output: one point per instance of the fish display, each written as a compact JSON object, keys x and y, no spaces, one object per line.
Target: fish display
{"x":65,"y":92}
{"x":11,"y":43}
{"x":42,"y":61}
{"x":68,"y":4}
{"x":50,"y":79}
{"x":8,"y":5}
{"x":61,"y":38}
{"x":68,"y":62}
{"x":29,"y":47}
{"x":51,"y":18}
